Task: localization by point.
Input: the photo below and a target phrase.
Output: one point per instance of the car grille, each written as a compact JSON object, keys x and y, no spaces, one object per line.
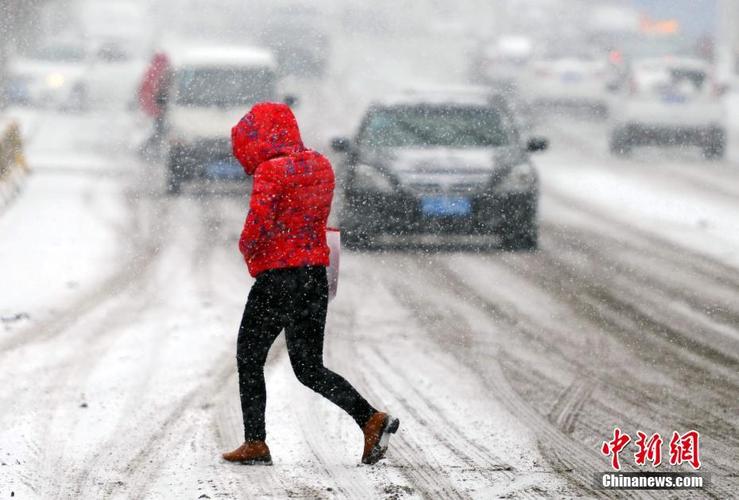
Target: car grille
{"x":213,"y":148}
{"x":453,"y":183}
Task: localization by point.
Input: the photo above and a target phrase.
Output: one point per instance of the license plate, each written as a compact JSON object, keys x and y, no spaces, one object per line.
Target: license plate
{"x":571,"y":77}
{"x":446,"y":206}
{"x":674,"y":99}
{"x":224,"y":170}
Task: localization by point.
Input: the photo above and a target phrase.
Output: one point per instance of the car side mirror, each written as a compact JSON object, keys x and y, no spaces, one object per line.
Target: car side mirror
{"x":291,"y":100}
{"x":537,"y":144}
{"x":341,"y":144}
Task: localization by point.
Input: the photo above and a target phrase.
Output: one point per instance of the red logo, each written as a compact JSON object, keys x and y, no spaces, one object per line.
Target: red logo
{"x":650,"y":450}
{"x":684,"y":448}
{"x":614,"y":447}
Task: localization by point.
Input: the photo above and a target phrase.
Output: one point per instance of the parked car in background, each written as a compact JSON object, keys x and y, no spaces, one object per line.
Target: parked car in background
{"x":117,"y":31}
{"x":445,"y":161}
{"x":669,"y":101}
{"x":502,"y":63}
{"x":211,"y":88}
{"x":568,"y":78}
{"x":300,"y":41}
{"x":51,"y":75}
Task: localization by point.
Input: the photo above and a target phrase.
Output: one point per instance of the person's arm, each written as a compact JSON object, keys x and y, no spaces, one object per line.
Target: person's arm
{"x":260,"y":222}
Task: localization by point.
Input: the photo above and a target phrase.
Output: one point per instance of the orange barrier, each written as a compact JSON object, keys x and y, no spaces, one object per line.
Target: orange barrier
{"x":11,"y":151}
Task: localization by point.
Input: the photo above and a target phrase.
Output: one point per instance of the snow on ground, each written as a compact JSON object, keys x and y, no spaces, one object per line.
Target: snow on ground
{"x":672,"y":194}
{"x":67,"y":221}
{"x":703,"y":222}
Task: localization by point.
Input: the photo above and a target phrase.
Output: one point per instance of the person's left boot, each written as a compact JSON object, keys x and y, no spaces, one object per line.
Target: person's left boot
{"x":250,"y":453}
{"x":377,"y":436}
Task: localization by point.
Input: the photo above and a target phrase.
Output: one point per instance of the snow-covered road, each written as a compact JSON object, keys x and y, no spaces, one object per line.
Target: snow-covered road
{"x":507,"y":370}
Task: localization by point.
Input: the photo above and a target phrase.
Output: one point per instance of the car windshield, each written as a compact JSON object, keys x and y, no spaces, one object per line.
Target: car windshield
{"x":223,"y":86}
{"x":665,"y":78}
{"x":59,"y":53}
{"x":444,"y":126}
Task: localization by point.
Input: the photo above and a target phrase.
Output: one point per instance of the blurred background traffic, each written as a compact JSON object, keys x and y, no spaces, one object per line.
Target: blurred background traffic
{"x":648,"y":73}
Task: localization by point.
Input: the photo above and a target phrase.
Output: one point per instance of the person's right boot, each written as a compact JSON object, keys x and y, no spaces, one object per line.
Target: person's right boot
{"x":250,"y":453}
{"x":377,"y":432}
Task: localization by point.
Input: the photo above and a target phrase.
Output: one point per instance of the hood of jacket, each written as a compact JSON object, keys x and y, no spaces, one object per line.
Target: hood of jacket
{"x":269,"y":130}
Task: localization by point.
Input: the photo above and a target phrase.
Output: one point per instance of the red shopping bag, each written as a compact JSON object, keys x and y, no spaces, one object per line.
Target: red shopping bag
{"x":333,"y":238}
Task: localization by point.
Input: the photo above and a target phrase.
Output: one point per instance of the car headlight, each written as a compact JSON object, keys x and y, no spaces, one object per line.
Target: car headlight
{"x":367,"y":178}
{"x":55,"y":80}
{"x":519,"y":179}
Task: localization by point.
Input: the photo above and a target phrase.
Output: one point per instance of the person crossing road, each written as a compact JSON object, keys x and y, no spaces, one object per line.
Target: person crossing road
{"x":284,"y":245}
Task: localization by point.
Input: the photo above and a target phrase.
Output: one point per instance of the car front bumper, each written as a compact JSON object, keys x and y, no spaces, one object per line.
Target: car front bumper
{"x":403,"y":213}
{"x":638,"y":133}
{"x":210,"y":159}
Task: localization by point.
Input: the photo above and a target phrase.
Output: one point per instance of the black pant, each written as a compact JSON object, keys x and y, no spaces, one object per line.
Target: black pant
{"x":294,"y":299}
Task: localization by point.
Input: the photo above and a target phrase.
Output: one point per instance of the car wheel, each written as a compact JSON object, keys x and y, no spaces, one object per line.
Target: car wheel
{"x":525,"y":240}
{"x":620,"y":144}
{"x":715,"y":146}
{"x":78,"y":98}
{"x":521,"y":232}
{"x":174,"y":175}
{"x":355,"y":239}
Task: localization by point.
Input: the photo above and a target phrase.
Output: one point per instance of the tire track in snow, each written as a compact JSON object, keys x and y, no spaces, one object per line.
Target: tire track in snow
{"x":639,"y":241}
{"x":424,"y":409}
{"x":144,"y":467}
{"x":84,"y":344}
{"x":566,"y":410}
{"x":713,"y":300}
{"x":93,"y":341}
{"x":241,"y":481}
{"x":542,"y":275}
{"x":579,"y":465}
{"x":615,"y":308}
{"x":349,"y":481}
{"x":128,"y":274}
{"x":477,"y":460}
{"x":145,"y":295}
{"x":627,"y":333}
{"x":88,"y":479}
{"x":428,"y":477}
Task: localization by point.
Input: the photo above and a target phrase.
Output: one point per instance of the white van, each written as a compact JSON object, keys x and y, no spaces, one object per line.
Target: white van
{"x":211,"y":88}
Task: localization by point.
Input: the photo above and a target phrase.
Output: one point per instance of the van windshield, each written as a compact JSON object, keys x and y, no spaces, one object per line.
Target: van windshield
{"x":223,"y":86}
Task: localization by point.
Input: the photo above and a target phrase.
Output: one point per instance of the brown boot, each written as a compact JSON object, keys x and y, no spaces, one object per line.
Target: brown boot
{"x":377,"y":435}
{"x":250,"y":453}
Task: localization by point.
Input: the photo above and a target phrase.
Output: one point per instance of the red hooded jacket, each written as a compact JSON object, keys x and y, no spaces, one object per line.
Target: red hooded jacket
{"x":291,"y":195}
{"x":154,"y":84}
